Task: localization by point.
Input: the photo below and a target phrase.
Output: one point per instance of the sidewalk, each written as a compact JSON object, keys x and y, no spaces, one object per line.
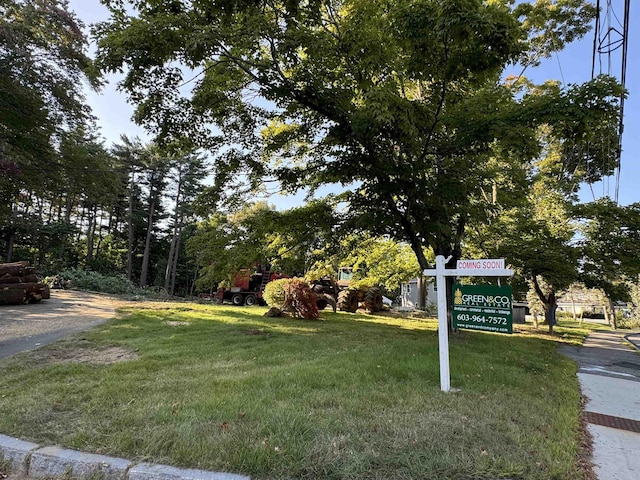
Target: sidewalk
{"x":609,"y":375}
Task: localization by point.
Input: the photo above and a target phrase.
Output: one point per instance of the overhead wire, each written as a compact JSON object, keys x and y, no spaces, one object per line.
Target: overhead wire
{"x":595,"y":40}
{"x":616,"y":37}
{"x":623,"y":78}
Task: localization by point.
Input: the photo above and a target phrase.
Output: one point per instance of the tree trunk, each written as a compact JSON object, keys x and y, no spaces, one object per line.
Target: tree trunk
{"x":50,"y":213}
{"x":10,"y":239}
{"x":169,"y":269}
{"x":193,"y":283}
{"x":422,"y":294}
{"x":11,"y":235}
{"x":131,"y":232}
{"x":147,"y":243}
{"x":79,"y":222}
{"x":90,"y":231}
{"x":99,"y":228}
{"x":550,"y":314}
{"x":613,"y":321}
{"x":174,"y":268}
{"x":549,"y":303}
{"x":68,"y":209}
{"x":170,"y":274}
{"x":41,"y":253}
{"x":449,"y":282}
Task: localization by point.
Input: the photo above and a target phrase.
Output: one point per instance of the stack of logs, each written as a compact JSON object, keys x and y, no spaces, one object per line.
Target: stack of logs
{"x":19,"y":284}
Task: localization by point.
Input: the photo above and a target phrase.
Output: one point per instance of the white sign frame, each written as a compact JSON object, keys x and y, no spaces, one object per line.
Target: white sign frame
{"x":440,"y":272}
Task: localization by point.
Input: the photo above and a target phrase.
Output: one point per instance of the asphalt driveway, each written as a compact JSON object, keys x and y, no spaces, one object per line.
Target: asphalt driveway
{"x":26,"y":327}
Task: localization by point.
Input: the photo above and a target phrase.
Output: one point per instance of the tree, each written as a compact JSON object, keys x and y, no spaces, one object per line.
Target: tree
{"x":258,"y":233}
{"x":399,"y":101}
{"x":85,"y":180}
{"x":186,"y":175}
{"x":382,"y":261}
{"x":224,"y":244}
{"x":42,"y":63}
{"x":610,"y":245}
{"x":535,"y":230}
{"x":129,"y":154}
{"x":155,"y":167}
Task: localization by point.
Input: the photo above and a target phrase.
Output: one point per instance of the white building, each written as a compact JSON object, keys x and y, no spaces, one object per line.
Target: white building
{"x":409,"y":294}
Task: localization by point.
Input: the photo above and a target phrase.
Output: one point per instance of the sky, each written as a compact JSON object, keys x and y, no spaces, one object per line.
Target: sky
{"x":573,"y":65}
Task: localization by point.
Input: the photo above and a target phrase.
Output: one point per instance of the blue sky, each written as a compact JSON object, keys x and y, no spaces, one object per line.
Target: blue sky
{"x":572,"y":65}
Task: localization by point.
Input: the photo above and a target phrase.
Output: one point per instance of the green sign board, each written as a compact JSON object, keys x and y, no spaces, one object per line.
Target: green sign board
{"x":483,"y":307}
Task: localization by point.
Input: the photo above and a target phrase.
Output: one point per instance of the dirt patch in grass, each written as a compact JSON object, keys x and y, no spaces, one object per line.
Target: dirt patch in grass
{"x":254,"y":331}
{"x":97,"y":356}
{"x":172,"y":323}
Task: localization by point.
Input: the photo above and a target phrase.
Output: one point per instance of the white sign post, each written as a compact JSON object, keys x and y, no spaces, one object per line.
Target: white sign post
{"x":466,"y":268}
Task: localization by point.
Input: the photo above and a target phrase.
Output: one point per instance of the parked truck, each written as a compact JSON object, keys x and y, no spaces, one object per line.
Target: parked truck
{"x":248,"y":286}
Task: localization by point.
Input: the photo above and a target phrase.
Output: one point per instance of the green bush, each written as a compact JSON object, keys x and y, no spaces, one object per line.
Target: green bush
{"x":561,"y":315}
{"x":274,"y":292}
{"x":97,"y":282}
{"x":632,"y":322}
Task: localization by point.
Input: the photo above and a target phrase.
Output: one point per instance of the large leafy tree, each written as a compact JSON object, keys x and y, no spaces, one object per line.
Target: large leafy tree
{"x":535,"y":227}
{"x":610,"y":246}
{"x":42,"y":67}
{"x":398,"y":101}
{"x":257,"y":233}
{"x":376,"y":260}
{"x":536,"y":237}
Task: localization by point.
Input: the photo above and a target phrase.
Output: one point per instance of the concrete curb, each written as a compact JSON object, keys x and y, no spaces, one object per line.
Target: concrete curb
{"x":45,"y":462}
{"x":55,"y":461}
{"x":633,"y":341}
{"x":148,"y":471}
{"x":16,"y":453}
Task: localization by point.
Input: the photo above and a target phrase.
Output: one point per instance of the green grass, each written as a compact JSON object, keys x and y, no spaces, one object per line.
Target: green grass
{"x":350,"y":396}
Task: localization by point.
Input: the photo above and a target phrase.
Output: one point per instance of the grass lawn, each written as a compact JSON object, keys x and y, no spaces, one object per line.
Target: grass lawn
{"x":349,"y":396}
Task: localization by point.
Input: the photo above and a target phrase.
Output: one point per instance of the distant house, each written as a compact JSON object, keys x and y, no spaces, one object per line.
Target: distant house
{"x":581,"y":302}
{"x":409,"y":294}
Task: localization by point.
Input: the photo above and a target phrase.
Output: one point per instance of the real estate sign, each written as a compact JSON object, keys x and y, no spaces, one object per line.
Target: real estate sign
{"x":483,"y":307}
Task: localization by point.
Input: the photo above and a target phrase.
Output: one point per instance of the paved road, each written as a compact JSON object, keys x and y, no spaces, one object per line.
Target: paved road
{"x":26,"y":327}
{"x":609,"y":375}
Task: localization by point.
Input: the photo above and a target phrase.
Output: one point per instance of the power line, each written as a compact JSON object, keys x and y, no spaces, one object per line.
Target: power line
{"x":611,"y":35}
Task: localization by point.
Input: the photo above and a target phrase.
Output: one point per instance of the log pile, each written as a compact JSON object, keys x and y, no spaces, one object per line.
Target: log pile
{"x":19,"y":284}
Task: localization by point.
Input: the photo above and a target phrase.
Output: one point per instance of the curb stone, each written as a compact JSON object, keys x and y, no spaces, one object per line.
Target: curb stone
{"x":148,"y":471}
{"x":56,"y":461}
{"x":635,"y":342}
{"x":46,"y":462}
{"x":16,"y":452}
